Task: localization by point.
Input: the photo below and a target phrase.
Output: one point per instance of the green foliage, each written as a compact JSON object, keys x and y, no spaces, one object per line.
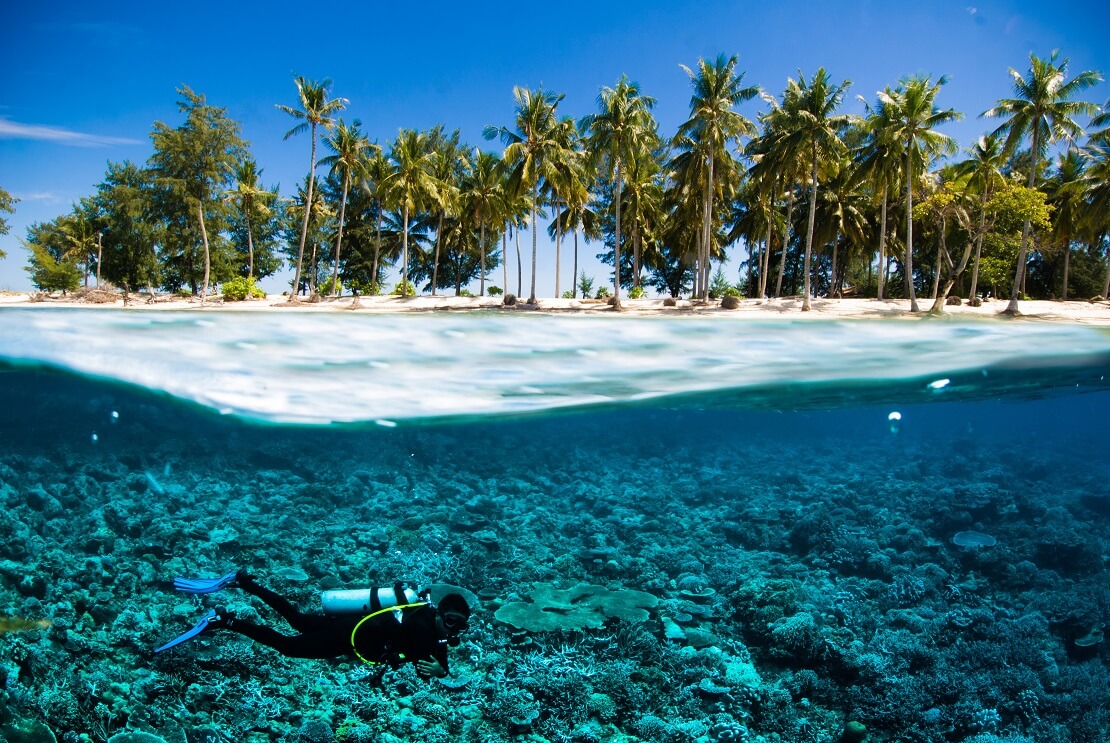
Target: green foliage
{"x":603,"y":292}
{"x":465,"y":293}
{"x":327,"y":287}
{"x":242,"y":287}
{"x":494,"y":291}
{"x":734,"y":291}
{"x":568,"y":294}
{"x":7,"y":205}
{"x":585,"y":284}
{"x":636,"y":292}
{"x":719,"y":284}
{"x":52,"y":274}
{"x":1011,"y":204}
{"x":408,"y":289}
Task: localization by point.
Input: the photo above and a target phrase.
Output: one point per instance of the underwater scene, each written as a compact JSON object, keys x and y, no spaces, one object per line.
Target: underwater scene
{"x":668,"y":530}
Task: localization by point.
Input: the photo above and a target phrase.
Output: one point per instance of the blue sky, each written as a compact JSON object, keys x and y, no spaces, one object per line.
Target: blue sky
{"x":84,"y":82}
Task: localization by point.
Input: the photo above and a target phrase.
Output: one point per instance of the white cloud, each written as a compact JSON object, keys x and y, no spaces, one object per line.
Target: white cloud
{"x":38,"y":196}
{"x":14,"y":130}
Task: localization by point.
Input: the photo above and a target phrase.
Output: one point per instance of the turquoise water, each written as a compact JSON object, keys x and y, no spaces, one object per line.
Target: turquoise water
{"x":752,"y":478}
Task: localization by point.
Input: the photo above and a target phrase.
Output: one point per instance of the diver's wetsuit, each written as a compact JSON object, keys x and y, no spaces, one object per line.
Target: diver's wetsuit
{"x":380,"y":639}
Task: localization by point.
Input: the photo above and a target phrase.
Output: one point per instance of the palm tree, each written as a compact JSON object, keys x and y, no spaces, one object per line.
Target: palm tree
{"x":481,"y":191}
{"x":1042,"y":109}
{"x":1067,"y":194}
{"x":565,"y":182}
{"x":447,"y":164}
{"x":877,"y":165}
{"x":350,"y":150}
{"x":251,"y":198}
{"x":529,"y":149}
{"x":913,"y":117}
{"x":316,"y":111}
{"x":712,"y":125}
{"x":622,"y":126}
{"x":1097,"y":179}
{"x":376,"y":183}
{"x":982,"y":169}
{"x":811,"y":125}
{"x":411,"y":186}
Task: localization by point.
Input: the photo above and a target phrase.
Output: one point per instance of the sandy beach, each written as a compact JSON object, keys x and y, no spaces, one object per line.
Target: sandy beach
{"x":1077,"y":310}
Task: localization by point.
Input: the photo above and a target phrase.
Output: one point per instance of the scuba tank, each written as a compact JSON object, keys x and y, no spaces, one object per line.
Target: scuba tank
{"x":368,"y":600}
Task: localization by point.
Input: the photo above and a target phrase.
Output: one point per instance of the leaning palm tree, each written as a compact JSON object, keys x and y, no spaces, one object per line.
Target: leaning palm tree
{"x":1042,"y":109}
{"x":914,"y":115}
{"x":350,"y":149}
{"x":316,"y":111}
{"x":528,"y":149}
{"x":712,"y":126}
{"x":411,"y":186}
{"x":619,"y":129}
{"x":481,"y":192}
{"x":811,"y":125}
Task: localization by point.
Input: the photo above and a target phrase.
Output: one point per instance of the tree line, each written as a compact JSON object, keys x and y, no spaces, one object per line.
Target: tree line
{"x":808,"y":199}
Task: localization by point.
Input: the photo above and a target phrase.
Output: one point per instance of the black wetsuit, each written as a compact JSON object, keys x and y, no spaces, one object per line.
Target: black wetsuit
{"x":380,"y":639}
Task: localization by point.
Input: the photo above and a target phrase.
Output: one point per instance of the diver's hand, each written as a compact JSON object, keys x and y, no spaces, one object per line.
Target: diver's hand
{"x":430,"y":668}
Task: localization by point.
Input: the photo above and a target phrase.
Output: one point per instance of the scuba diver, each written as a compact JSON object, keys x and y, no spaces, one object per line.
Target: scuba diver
{"x":390,"y":626}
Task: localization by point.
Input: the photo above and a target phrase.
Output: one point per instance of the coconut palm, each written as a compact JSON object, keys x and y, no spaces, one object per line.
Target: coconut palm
{"x":251,"y":199}
{"x":616,"y":132}
{"x":411,"y":186}
{"x":982,"y":170}
{"x":376,"y":183}
{"x":1044,"y":111}
{"x":316,"y":110}
{"x":643,"y":192}
{"x":809,"y":124}
{"x":913,"y":116}
{"x":1096,"y":221}
{"x":712,"y":126}
{"x":878,"y":165}
{"x":566,"y":181}
{"x":448,"y":161}
{"x":481,"y":192}
{"x":350,"y":149}
{"x":529,"y":149}
{"x":1067,"y":195}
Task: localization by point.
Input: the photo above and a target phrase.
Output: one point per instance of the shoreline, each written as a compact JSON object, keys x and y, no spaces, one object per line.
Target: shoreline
{"x":1072,"y":311}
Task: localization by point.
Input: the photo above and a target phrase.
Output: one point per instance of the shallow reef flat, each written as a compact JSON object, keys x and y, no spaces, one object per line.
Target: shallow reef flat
{"x":649,"y":573}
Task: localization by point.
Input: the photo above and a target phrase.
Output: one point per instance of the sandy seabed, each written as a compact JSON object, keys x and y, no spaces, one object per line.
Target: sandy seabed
{"x":1078,"y":311}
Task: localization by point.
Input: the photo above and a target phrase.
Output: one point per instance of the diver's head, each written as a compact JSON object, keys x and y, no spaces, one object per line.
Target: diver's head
{"x":454,"y":612}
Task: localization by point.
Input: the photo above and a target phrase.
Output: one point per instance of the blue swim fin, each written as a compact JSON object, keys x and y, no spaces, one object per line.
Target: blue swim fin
{"x":203,"y":585}
{"x":200,"y":627}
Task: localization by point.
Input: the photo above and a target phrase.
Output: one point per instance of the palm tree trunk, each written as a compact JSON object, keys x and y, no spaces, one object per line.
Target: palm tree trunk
{"x":832,"y":275}
{"x":1067,"y":259}
{"x":953,"y":275}
{"x":708,"y":230}
{"x":936,"y":276}
{"x":207,"y":255}
{"x":505,"y":260}
{"x":1026,"y":229}
{"x":377,"y":250}
{"x":250,"y":247}
{"x":558,"y":247}
{"x":482,"y":255}
{"x":339,"y":236}
{"x":519,"y":265}
{"x":978,"y":246}
{"x":618,"y":186}
{"x":435,"y":260}
{"x":809,"y":232}
{"x":1105,"y":283}
{"x":785,"y":240}
{"x":882,"y":243}
{"x":405,"y":254}
{"x":574,"y":284}
{"x":909,"y":237}
{"x":304,"y":222}
{"x":535,"y":200}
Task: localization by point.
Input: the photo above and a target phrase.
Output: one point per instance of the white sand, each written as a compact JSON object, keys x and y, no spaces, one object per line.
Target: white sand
{"x":1078,"y":311}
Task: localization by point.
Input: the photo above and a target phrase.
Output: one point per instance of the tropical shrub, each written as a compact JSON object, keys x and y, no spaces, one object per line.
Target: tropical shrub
{"x":465,"y":293}
{"x":325,"y":287}
{"x":603,"y":293}
{"x":411,"y":290}
{"x":493,"y":291}
{"x":242,"y":287}
{"x":568,"y":294}
{"x":636,"y":292}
